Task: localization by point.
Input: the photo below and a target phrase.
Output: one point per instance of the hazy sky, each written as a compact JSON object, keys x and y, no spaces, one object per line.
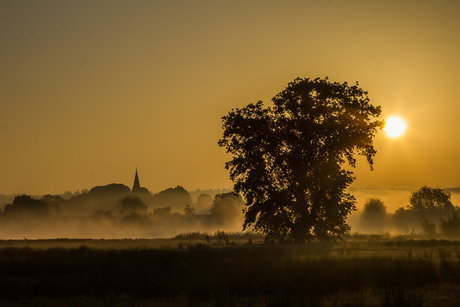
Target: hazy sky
{"x":91,"y":89}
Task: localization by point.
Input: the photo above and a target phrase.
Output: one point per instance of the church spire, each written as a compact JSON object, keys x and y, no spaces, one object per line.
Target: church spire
{"x":136,"y":186}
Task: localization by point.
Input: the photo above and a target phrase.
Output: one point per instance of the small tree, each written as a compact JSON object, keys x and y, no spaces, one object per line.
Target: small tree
{"x":430,"y":205}
{"x":405,"y":219}
{"x":431,"y":199}
{"x":428,"y":227}
{"x":374,"y":215}
{"x":203,"y":203}
{"x":227,"y":208}
{"x":451,"y":226}
{"x":189,"y":210}
{"x":426,"y":207}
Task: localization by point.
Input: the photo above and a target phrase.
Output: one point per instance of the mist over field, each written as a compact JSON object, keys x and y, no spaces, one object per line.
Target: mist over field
{"x":114,"y":212}
{"x":393,"y":199}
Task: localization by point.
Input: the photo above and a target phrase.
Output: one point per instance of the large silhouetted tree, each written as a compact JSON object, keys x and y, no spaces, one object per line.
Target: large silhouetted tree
{"x":287,"y":159}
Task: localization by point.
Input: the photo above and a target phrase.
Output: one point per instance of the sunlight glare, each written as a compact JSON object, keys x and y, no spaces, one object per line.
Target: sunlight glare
{"x":394,"y":127}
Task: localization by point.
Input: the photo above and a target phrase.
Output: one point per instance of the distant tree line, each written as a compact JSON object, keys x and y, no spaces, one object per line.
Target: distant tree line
{"x":115,"y":206}
{"x":430,"y":209}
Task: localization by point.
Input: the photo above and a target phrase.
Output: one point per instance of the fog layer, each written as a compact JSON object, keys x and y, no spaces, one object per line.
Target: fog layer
{"x":114,"y":211}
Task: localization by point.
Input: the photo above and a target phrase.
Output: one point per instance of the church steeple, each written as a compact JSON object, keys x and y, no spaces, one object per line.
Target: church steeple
{"x":136,"y":186}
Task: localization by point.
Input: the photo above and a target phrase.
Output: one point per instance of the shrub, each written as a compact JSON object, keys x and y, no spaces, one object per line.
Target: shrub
{"x":451,"y":226}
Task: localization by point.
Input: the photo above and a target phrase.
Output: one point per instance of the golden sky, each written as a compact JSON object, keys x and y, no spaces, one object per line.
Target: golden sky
{"x":91,"y":89}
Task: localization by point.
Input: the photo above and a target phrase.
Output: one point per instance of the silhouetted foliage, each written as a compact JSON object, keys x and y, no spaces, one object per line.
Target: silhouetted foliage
{"x":431,"y":199}
{"x":25,"y":205}
{"x":427,"y":206}
{"x":428,"y":227}
{"x":287,"y":159}
{"x":204,"y":199}
{"x":131,"y":204}
{"x":203,"y":203}
{"x":79,"y":203}
{"x":374,"y":215}
{"x":189,"y":210}
{"x":450,"y":226}
{"x":6,"y":199}
{"x":226,"y":208}
{"x":101,"y":198}
{"x":175,"y":198}
{"x":113,"y":188}
{"x":69,"y":194}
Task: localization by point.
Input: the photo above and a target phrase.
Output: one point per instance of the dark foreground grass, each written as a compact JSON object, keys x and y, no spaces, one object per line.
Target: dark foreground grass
{"x":227,"y":276}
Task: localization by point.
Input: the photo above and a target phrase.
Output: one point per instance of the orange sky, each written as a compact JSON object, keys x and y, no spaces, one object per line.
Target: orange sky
{"x":91,"y":89}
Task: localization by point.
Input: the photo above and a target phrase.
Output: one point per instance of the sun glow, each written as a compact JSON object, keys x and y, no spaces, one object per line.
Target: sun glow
{"x":394,"y":127}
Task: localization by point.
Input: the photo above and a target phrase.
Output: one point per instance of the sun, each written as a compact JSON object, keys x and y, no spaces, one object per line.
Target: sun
{"x":394,"y":126}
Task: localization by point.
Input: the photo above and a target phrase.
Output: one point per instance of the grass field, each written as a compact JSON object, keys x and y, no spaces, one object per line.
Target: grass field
{"x":212,"y":271}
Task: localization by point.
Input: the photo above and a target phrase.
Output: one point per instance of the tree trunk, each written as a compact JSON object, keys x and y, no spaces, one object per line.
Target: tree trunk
{"x":300,"y":232}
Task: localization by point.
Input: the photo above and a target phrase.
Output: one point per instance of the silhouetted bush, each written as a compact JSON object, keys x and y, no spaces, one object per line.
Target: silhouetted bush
{"x":226,"y":209}
{"x":374,"y":216}
{"x":451,"y":226}
{"x":406,"y":220}
{"x":113,"y":188}
{"x":203,"y":203}
{"x":189,"y":210}
{"x":428,"y":227}
{"x":231,"y":235}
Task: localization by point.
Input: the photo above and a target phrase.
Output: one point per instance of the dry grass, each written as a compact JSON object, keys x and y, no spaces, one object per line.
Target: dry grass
{"x":171,"y":272}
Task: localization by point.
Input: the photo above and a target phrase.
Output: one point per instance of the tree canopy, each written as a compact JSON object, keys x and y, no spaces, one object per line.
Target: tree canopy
{"x":429,"y":199}
{"x":226,"y":208}
{"x":175,"y":198}
{"x":131,"y":204}
{"x":113,"y":188}
{"x":374,"y":215}
{"x":26,"y":205}
{"x":287,"y":159}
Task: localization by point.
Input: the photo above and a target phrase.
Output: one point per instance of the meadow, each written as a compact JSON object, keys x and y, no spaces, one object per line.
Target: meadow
{"x":230,"y":269}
